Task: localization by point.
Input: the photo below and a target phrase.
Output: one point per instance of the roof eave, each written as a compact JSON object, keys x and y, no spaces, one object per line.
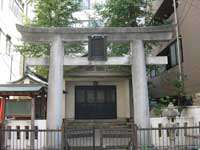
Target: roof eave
{"x":164,"y":11}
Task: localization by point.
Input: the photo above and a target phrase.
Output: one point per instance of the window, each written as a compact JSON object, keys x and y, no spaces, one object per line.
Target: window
{"x":86,"y":4}
{"x":18,"y":132}
{"x":173,"y":55}
{"x":16,"y":7}
{"x":171,"y":52}
{"x":8,"y":44}
{"x":27,"y":132}
{"x":1,"y":4}
{"x":13,"y":108}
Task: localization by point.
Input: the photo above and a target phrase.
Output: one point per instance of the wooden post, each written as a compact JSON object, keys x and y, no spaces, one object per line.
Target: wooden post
{"x":32,"y":122}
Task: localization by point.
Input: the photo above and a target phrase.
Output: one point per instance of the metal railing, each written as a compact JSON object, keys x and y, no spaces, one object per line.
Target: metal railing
{"x":173,"y":138}
{"x":98,"y":139}
{"x":72,"y":139}
{"x":25,"y":139}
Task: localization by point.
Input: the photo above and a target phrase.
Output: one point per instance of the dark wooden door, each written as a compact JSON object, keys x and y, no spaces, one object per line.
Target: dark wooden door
{"x":95,"y":102}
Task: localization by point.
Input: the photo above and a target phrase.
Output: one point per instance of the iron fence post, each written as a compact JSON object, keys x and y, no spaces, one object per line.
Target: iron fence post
{"x":93,"y":137}
{"x":63,"y":145}
{"x":134,"y":135}
{"x":101,"y":139}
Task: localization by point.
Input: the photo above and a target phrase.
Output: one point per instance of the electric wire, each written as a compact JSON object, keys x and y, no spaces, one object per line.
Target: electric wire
{"x":183,"y":9}
{"x":187,"y":12}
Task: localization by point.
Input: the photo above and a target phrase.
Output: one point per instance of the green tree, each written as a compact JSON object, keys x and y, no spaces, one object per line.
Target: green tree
{"x":51,"y":13}
{"x":122,"y":13}
{"x":55,"y":13}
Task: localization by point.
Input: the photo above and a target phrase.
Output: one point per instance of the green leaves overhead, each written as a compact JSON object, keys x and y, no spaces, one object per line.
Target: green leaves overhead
{"x":55,"y":13}
{"x":51,"y":13}
{"x":34,"y":50}
{"x":121,"y":13}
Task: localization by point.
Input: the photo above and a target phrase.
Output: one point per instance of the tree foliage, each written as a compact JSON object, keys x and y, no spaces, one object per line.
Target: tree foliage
{"x":118,"y":13}
{"x":51,"y":13}
{"x":122,"y":13}
{"x":55,"y":13}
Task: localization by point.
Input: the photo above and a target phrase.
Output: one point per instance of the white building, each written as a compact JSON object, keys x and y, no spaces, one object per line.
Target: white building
{"x":12,"y":12}
{"x":87,"y":16}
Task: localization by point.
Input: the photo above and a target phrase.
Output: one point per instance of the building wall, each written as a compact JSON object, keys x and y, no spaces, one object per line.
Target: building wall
{"x":10,"y":14}
{"x":162,"y":84}
{"x":122,"y":90}
{"x":189,"y":22}
{"x":189,"y":28}
{"x":87,"y":16}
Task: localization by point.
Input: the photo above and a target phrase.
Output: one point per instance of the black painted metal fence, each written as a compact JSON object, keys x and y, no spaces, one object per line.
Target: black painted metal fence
{"x":173,"y":138}
{"x":25,"y":139}
{"x":96,"y":139}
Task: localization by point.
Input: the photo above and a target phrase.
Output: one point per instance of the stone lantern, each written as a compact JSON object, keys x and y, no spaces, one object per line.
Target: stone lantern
{"x":171,"y":113}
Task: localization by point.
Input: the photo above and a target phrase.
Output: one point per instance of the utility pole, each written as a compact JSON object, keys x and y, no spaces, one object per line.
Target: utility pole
{"x":178,"y":41}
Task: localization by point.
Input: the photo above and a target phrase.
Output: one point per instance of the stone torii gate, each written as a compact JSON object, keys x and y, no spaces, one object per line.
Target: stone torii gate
{"x":57,"y":36}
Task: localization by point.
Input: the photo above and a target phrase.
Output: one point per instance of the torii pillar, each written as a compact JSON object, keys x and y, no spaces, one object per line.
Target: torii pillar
{"x":55,"y":84}
{"x":139,"y":83}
